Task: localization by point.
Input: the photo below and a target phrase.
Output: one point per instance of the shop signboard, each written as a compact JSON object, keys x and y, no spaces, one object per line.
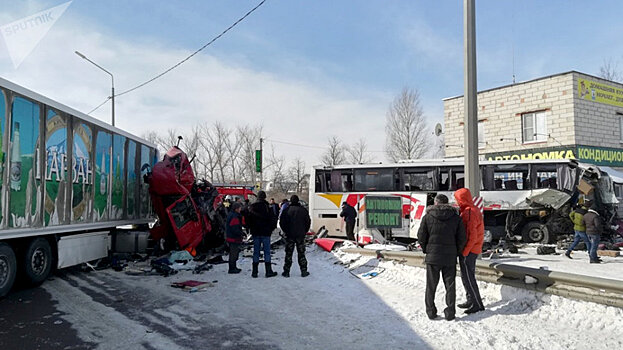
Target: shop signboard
{"x":589,"y":154}
{"x":383,"y":212}
{"x":600,"y":92}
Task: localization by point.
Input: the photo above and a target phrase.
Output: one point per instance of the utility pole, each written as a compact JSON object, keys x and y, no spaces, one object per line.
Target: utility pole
{"x":472,"y":170}
{"x":261,"y":164}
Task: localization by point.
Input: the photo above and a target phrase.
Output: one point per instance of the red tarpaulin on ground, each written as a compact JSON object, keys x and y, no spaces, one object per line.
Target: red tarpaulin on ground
{"x":328,"y":243}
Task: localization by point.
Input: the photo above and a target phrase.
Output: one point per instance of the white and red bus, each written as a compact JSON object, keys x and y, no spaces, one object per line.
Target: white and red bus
{"x":527,"y":198}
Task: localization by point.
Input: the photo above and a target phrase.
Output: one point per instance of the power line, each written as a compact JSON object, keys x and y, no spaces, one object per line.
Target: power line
{"x":309,"y":146}
{"x":100,"y":105}
{"x":185,"y":59}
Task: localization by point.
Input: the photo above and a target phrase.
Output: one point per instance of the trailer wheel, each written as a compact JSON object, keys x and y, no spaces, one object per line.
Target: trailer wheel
{"x":8,"y":268}
{"x":37,"y":261}
{"x":534,"y":232}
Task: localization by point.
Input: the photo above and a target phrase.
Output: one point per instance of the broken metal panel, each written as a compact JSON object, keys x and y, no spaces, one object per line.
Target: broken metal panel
{"x":548,"y":198}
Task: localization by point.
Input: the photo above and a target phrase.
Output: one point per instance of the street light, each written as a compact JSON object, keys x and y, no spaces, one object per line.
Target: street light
{"x":113,"y":83}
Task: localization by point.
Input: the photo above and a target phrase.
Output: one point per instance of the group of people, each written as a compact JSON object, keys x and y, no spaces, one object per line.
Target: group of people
{"x":261,"y":219}
{"x":445,"y":235}
{"x":588,"y":226}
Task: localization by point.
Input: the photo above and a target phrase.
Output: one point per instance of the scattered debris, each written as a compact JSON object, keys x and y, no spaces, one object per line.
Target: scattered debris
{"x":530,"y":280}
{"x":192,"y":285}
{"x":612,"y":253}
{"x":545,"y":250}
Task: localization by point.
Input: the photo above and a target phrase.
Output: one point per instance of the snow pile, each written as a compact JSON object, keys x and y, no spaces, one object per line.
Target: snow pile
{"x":343,"y":304}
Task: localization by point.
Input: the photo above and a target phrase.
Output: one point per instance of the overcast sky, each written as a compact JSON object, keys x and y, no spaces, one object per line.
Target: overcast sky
{"x":305,"y":70}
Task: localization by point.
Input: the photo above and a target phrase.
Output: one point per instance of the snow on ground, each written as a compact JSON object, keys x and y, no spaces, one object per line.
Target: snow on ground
{"x":331,"y":309}
{"x":612,"y":267}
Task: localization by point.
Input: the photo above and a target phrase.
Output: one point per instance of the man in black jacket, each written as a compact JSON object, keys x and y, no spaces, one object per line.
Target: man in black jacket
{"x":261,"y":222}
{"x":295,"y":223}
{"x":442,"y":238}
{"x":349,"y":214}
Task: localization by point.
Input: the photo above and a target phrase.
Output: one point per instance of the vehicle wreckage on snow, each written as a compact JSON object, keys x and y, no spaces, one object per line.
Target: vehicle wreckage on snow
{"x":526,"y":199}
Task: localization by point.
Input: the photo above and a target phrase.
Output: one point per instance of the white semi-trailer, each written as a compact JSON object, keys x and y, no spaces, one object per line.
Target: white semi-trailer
{"x":66,"y":181}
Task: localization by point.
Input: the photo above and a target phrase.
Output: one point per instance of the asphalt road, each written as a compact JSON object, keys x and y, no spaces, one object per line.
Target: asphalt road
{"x":81,"y":310}
{"x":30,"y":320}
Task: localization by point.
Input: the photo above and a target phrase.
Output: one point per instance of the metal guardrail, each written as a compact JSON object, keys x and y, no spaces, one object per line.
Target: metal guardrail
{"x":579,"y":287}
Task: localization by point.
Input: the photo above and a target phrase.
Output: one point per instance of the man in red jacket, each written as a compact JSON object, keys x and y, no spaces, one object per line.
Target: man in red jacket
{"x":475,"y":231}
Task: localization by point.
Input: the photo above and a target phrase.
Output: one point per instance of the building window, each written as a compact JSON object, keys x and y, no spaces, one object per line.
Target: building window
{"x":620,"y":126}
{"x":534,"y":126}
{"x":482,"y":143}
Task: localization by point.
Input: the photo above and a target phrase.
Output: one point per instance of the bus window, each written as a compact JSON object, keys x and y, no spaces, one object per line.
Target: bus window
{"x":341,"y":181}
{"x":546,"y":175}
{"x":321,"y":181}
{"x":418,"y":179}
{"x":457,"y":179}
{"x":444,"y":184}
{"x":374,"y":180}
{"x":510,"y":177}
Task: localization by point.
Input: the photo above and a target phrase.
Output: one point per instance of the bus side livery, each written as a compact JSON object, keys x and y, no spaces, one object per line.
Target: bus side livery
{"x":530,"y":199}
{"x":66,"y":181}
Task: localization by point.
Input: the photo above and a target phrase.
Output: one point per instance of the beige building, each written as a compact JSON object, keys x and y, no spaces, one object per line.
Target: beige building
{"x":568,"y":115}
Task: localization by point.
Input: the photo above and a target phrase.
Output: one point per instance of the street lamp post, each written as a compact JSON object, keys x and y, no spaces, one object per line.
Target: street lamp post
{"x":112,"y":96}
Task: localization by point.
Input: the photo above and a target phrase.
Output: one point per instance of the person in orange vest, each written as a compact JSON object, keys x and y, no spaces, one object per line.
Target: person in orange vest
{"x":475,"y":231}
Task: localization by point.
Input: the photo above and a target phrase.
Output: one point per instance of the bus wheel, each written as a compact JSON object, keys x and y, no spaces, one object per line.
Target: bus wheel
{"x":8,"y":268}
{"x":37,"y":261}
{"x":534,"y":232}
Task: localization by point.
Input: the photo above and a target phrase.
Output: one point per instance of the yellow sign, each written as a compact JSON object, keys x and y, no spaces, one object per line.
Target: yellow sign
{"x":598,"y":92}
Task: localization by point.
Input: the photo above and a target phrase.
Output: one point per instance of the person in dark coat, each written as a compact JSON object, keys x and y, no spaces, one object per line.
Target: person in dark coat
{"x":442,"y":238}
{"x":350,"y":215}
{"x":295,"y":223}
{"x":594,"y":228}
{"x":274,"y":206}
{"x":234,"y":235}
{"x":261,"y":223}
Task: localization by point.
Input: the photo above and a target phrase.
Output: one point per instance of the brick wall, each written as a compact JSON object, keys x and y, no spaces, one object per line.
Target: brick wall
{"x":500,"y":112}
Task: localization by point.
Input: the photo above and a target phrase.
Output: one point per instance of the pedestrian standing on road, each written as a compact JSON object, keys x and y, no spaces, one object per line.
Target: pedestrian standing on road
{"x":284,"y":204}
{"x":295,"y":223}
{"x":594,"y":228}
{"x":577,"y":217}
{"x":234,"y":235}
{"x":261,"y":223}
{"x":475,"y":232}
{"x":274,"y":207}
{"x":350,"y":215}
{"x":442,"y":238}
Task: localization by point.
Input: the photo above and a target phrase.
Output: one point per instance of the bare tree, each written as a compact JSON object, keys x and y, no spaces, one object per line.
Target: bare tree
{"x":278,"y":174}
{"x":358,"y":153}
{"x":297,"y":174}
{"x":609,"y":70}
{"x":335,"y":153}
{"x":234,"y":146}
{"x":250,"y":138}
{"x":405,"y":129}
{"x":213,"y":151}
